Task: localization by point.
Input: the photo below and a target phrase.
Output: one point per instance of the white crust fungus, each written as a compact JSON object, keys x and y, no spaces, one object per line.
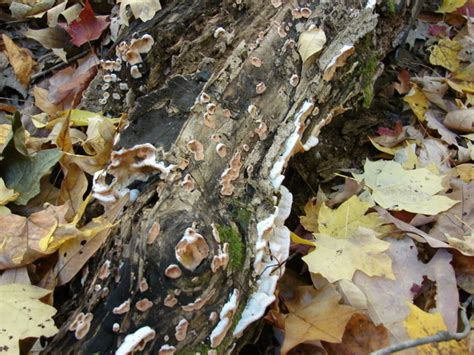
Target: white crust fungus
{"x":226,"y":314}
{"x":136,"y":341}
{"x":192,"y":249}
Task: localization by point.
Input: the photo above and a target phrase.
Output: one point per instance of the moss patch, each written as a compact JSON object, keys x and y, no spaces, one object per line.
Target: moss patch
{"x":236,"y":246}
{"x":367,"y":74}
{"x":391,"y":6}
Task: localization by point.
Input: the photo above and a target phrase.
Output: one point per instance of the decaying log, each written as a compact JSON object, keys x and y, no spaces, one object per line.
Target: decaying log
{"x":228,"y":101}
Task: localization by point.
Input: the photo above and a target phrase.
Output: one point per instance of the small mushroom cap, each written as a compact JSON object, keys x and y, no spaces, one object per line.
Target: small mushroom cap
{"x":143,"y":44}
{"x":143,"y":305}
{"x":133,"y":57}
{"x":135,"y":72}
{"x":173,"y":271}
{"x":192,"y":249}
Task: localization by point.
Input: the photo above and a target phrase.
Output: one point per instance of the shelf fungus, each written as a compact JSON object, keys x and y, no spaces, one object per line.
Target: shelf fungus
{"x":225,"y":319}
{"x":196,"y":148}
{"x":192,"y":249}
{"x":166,"y":350}
{"x":230,"y":174}
{"x":260,"y":88}
{"x":188,"y":183}
{"x":136,"y":341}
{"x":123,"y":308}
{"x":198,"y":302}
{"x":81,"y":325}
{"x":181,"y":330}
{"x":170,"y":301}
{"x":221,"y":150}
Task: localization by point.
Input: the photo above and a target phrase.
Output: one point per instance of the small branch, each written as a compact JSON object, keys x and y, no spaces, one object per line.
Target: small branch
{"x":436,"y":338}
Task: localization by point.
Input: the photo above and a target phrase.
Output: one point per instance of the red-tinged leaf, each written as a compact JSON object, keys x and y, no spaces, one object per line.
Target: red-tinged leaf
{"x":466,"y":10}
{"x":439,"y":30}
{"x":86,"y":27}
{"x":403,"y":86}
{"x":66,"y":86}
{"x":383,"y":131}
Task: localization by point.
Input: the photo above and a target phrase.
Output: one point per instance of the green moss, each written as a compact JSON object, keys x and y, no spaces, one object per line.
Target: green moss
{"x":367,"y":74}
{"x":236,"y":247}
{"x":201,"y":348}
{"x":391,"y":6}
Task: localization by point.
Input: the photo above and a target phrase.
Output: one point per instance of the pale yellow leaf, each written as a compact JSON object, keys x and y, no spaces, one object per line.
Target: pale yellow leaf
{"x":397,"y":189}
{"x":27,"y":316}
{"x":347,"y":218}
{"x":310,"y":43}
{"x":417,"y":102}
{"x":6,"y":194}
{"x":141,"y":9}
{"x":338,"y":259}
{"x":466,"y":172}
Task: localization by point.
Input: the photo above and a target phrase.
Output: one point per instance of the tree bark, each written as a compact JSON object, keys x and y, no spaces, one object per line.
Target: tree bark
{"x":193,"y":64}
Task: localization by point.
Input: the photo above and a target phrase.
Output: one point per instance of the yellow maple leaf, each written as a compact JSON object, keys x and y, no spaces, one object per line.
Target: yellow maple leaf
{"x":395,"y":188}
{"x":445,"y":54}
{"x":316,"y":316}
{"x":27,"y":315}
{"x":346,"y":219}
{"x":339,"y":259}
{"x":417,"y":102}
{"x":420,"y":324}
{"x":450,"y":5}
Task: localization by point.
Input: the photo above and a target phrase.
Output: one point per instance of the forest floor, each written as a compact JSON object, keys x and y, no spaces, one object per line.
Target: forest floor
{"x":382,"y":245}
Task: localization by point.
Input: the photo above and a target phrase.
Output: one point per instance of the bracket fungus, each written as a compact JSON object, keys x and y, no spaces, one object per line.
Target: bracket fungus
{"x":221,"y":150}
{"x":81,"y":325}
{"x":166,"y":350}
{"x":226,"y":314}
{"x":230,"y":174}
{"x":136,"y":341}
{"x":181,"y":330}
{"x":196,"y":148}
{"x":221,"y":260}
{"x":170,"y":301}
{"x":123,"y":308}
{"x":192,"y":249}
{"x":256,"y":61}
{"x":260,"y":88}
{"x":187,"y":183}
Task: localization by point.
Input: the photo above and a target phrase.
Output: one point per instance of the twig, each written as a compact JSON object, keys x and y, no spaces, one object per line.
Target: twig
{"x":58,"y":66}
{"x":436,"y":338}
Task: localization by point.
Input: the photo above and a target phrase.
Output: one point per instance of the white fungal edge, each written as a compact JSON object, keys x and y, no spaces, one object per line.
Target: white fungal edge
{"x":371,"y":4}
{"x":272,"y":233}
{"x":344,"y":48}
{"x":225,"y":316}
{"x":132,"y":340}
{"x":276,"y":176}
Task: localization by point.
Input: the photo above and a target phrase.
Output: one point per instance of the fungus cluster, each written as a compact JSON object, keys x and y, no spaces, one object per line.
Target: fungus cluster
{"x":230,"y":174}
{"x":81,"y":325}
{"x":192,"y":249}
{"x":222,"y":259}
{"x":181,"y":330}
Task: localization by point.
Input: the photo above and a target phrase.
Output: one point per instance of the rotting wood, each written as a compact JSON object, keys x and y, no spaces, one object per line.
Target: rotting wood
{"x":205,"y":53}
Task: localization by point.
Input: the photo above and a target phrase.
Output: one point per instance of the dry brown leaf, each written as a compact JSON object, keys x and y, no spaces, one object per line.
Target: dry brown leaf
{"x":43,"y":103}
{"x":460,"y":120}
{"x":361,"y":337}
{"x":20,"y":59}
{"x":315,"y":315}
